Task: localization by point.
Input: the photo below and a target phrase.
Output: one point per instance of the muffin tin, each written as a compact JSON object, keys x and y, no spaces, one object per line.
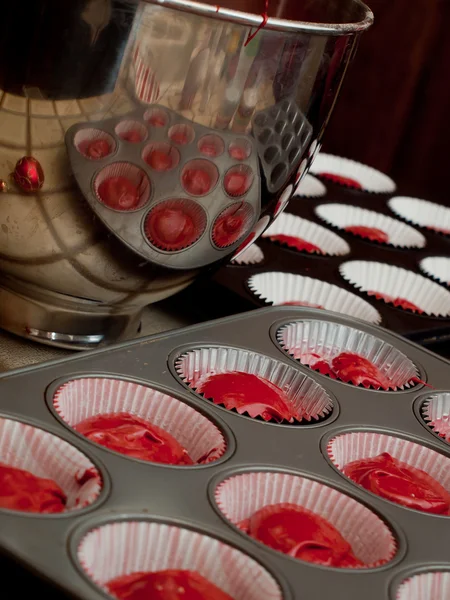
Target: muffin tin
{"x":159,"y":128}
{"x":194,"y":497}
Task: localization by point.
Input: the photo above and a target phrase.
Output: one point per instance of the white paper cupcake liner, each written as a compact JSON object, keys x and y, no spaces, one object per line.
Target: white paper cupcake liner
{"x":275,"y":287}
{"x":291,"y":225}
{"x":126,"y":126}
{"x":306,"y":338}
{"x":88,"y":134}
{"x":211,"y":145}
{"x":308,"y":399}
{"x":240,"y":149}
{"x":437,"y":267}
{"x":199,"y":164}
{"x":348,"y":447}
{"x":238,"y":169}
{"x":81,"y":399}
{"x":124,"y":547}
{"x":124,"y":169}
{"x":436,"y":413}
{"x":45,"y":455}
{"x":433,"y":585}
{"x":310,"y":187}
{"x":240,"y":496}
{"x":252,"y":255}
{"x":182,"y":134}
{"x":421,"y":212}
{"x":283,"y":201}
{"x":399,"y":234}
{"x":396,"y":282}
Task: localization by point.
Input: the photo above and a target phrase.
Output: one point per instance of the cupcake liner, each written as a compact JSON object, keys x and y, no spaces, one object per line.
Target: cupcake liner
{"x":348,"y":447}
{"x":45,"y":455}
{"x":232,"y":224}
{"x":433,"y":585}
{"x":308,"y":400}
{"x":84,"y":137}
{"x":240,"y":149}
{"x":436,"y":413}
{"x":167,"y":149}
{"x":290,"y":225}
{"x":283,"y":201}
{"x":182,"y":134}
{"x":275,"y":287}
{"x":125,"y":130}
{"x":423,"y":213}
{"x":349,"y":173}
{"x":81,"y":399}
{"x":310,"y":187}
{"x":344,"y":216}
{"x":308,"y":339}
{"x":211,"y":146}
{"x":134,"y":174}
{"x":124,"y":547}
{"x":395,"y":283}
{"x":162,"y":229}
{"x":240,"y":496}
{"x":156,"y":117}
{"x":192,"y":185}
{"x":236,"y":188}
{"x":252,"y":255}
{"x":437,"y":267}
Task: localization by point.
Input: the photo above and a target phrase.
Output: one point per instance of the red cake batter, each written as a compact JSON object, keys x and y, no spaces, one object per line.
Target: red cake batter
{"x":236,"y":183}
{"x":96,"y":148}
{"x":209,"y":149}
{"x":350,"y":368}
{"x":157,"y":121}
{"x":371,"y":233}
{"x":197,"y":181}
{"x":238,"y":153}
{"x":341,"y":180}
{"x":119,"y":193}
{"x":248,"y":393}
{"x":131,"y":136}
{"x":134,"y":437}
{"x":171,"y":228}
{"x":172,"y":584}
{"x":228,"y":229}
{"x":21,"y":490}
{"x":301,"y":534}
{"x":180,"y":137}
{"x":159,"y":160}
{"x":400,"y":483}
{"x":296,"y":242}
{"x":399,"y":302}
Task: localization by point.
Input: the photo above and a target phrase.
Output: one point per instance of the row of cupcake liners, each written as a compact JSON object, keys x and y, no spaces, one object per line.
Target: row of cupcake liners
{"x":201,"y":239}
{"x":146,"y":372}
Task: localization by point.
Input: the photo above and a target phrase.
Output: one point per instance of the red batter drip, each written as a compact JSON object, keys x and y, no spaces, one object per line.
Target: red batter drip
{"x":350,"y":368}
{"x":134,"y":437}
{"x":236,"y":183}
{"x":341,"y":180}
{"x":296,"y":242}
{"x":119,"y":193}
{"x":172,"y":584}
{"x":95,"y":149}
{"x":196,"y":181}
{"x":21,"y":490}
{"x":400,"y":483}
{"x":247,"y":393}
{"x":131,"y":136}
{"x":300,"y":303}
{"x":301,"y":534}
{"x":159,"y":160}
{"x":371,"y":233}
{"x":228,"y":229}
{"x":399,"y":302}
{"x":171,"y":228}
{"x":238,"y":153}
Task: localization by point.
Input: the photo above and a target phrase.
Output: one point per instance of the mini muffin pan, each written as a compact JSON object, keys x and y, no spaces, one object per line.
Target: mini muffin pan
{"x":303,"y":457}
{"x":131,"y":138}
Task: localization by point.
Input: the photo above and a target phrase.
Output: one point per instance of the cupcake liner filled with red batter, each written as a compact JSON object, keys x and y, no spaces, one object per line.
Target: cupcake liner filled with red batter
{"x":432,"y":585}
{"x":42,"y":473}
{"x":238,"y":180}
{"x":253,"y":385}
{"x":173,"y":225}
{"x":232,"y":224}
{"x":130,"y":131}
{"x":305,"y":236}
{"x":399,"y":287}
{"x":305,"y":520}
{"x":240,"y":149}
{"x":288,"y":289}
{"x":94,"y":143}
{"x":211,"y":145}
{"x":347,"y":354}
{"x":310,"y":187}
{"x":138,"y":421}
{"x":140,"y":560}
{"x":156,"y":117}
{"x":371,"y":226}
{"x":182,"y":134}
{"x":395,"y":469}
{"x":161,"y":156}
{"x":423,"y":213}
{"x":351,"y":174}
{"x":199,"y":177}
{"x":122,"y":186}
{"x":437,"y":267}
{"x":436,"y":413}
{"x":253,"y":255}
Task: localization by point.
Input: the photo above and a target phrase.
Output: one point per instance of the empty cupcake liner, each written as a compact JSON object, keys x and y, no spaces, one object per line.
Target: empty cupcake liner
{"x":232,"y":224}
{"x":433,"y":585}
{"x":166,"y":148}
{"x":436,"y":413}
{"x":211,"y":145}
{"x":275,"y":287}
{"x":345,"y":215}
{"x":84,"y":137}
{"x":296,"y":227}
{"x":45,"y":455}
{"x":256,"y":232}
{"x":199,"y":165}
{"x":240,"y":149}
{"x":307,"y":340}
{"x":283,"y":201}
{"x":348,"y":447}
{"x":124,"y":547}
{"x":437,"y":267}
{"x":397,"y":283}
{"x":240,"y":496}
{"x":310,"y":187}
{"x":253,"y":255}
{"x":182,"y":134}
{"x":241,"y":188}
{"x":156,"y":117}
{"x":81,"y":399}
{"x":422,"y":212}
{"x":308,"y":399}
{"x":349,"y":173}
{"x":124,"y":169}
{"x":131,"y":131}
